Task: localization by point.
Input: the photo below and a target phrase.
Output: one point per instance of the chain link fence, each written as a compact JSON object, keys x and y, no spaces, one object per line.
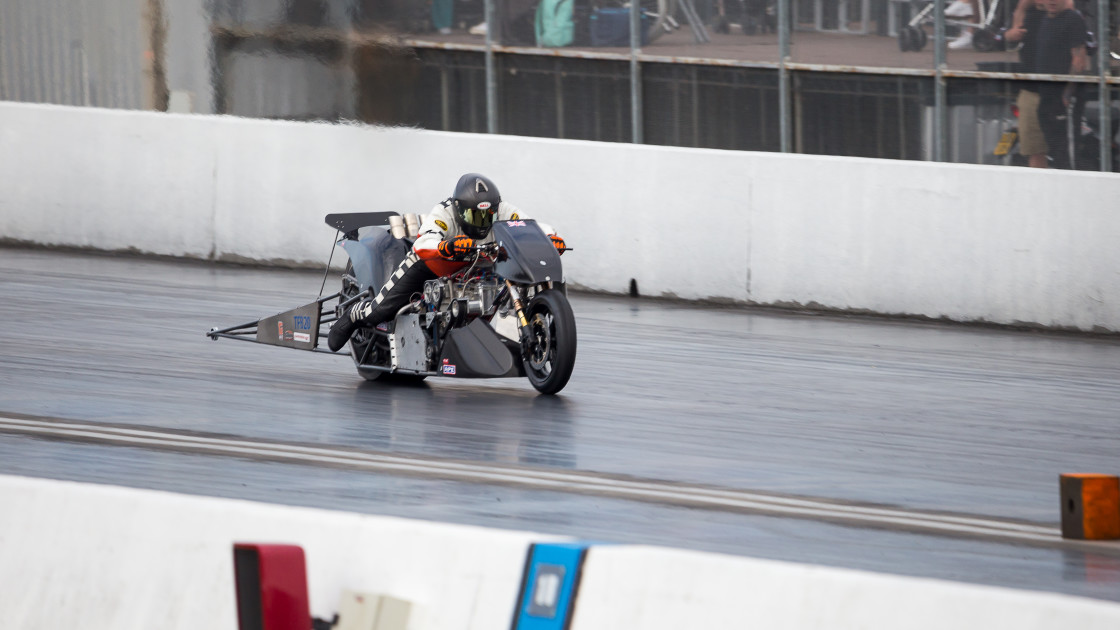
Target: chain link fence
{"x":901,"y":79}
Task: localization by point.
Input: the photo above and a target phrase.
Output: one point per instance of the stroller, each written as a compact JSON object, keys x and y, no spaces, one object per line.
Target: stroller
{"x":987,"y":37}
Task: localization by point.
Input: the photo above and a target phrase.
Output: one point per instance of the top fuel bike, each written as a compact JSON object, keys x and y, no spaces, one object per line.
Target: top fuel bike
{"x":504,"y":314}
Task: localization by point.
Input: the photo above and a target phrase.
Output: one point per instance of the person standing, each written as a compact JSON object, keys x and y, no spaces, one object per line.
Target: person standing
{"x":1054,"y":39}
{"x":1060,"y":48}
{"x":1024,"y":29}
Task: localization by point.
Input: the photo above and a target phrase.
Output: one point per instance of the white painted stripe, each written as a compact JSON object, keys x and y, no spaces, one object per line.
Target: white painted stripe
{"x":553,"y":480}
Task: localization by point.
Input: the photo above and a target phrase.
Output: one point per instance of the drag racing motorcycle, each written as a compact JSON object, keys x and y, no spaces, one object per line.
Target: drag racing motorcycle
{"x":504,"y":314}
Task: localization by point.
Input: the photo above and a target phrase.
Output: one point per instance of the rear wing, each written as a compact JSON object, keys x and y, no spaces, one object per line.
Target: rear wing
{"x":350,"y":222}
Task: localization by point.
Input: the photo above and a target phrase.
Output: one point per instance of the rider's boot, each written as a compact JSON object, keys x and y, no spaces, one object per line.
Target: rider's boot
{"x":408,"y":279}
{"x":344,"y":326}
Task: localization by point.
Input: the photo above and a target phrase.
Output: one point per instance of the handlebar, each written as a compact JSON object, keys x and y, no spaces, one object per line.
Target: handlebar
{"x":490,"y":250}
{"x":497,"y":249}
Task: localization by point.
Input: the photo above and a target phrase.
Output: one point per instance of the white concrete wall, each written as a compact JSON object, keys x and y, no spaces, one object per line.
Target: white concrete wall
{"x":97,"y":557}
{"x":668,"y":589}
{"x":101,"y":557}
{"x":966,"y":243}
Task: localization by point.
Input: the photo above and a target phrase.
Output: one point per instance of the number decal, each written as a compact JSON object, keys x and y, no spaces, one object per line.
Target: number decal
{"x":547,"y":591}
{"x":548,"y":588}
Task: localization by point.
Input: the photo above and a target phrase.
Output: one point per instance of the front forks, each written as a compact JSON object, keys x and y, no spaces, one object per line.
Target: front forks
{"x":522,"y":323}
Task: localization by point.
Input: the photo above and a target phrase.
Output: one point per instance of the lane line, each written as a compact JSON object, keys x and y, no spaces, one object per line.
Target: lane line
{"x":581,"y":482}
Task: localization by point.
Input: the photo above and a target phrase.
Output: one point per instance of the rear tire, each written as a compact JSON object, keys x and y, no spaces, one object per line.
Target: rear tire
{"x":552,"y":343}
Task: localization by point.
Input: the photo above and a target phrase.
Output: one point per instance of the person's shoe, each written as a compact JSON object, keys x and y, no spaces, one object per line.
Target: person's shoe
{"x":478,"y":29}
{"x":343,"y":327}
{"x":964,"y":41}
{"x":340,"y":333}
{"x":445,"y":31}
{"x":959,"y":9}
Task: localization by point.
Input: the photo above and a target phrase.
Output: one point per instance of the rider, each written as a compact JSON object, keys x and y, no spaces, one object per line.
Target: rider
{"x":447,"y":235}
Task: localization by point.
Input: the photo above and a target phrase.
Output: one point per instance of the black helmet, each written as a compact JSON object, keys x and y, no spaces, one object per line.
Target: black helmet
{"x":476,"y":202}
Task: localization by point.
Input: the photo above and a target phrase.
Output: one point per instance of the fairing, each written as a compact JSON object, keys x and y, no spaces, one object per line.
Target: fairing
{"x":531,"y":258}
{"x":476,"y":351}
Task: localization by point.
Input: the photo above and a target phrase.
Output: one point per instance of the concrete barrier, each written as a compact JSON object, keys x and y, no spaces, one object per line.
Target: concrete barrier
{"x":960,"y":242}
{"x":667,"y":589}
{"x":76,"y":555}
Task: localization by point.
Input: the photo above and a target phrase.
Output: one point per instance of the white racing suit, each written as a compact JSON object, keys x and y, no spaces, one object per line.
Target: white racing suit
{"x":421,"y":264}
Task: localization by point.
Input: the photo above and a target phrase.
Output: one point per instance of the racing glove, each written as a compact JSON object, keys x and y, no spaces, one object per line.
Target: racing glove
{"x":558,"y":243}
{"x":456,"y":247}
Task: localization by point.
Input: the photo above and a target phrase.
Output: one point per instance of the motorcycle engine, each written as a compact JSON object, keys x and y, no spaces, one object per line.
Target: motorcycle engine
{"x":462,"y":299}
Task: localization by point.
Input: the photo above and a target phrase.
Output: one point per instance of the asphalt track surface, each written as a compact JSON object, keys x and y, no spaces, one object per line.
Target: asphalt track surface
{"x":904,"y":447}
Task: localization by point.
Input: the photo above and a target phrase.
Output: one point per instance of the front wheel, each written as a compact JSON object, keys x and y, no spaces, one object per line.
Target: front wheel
{"x":550,"y":354}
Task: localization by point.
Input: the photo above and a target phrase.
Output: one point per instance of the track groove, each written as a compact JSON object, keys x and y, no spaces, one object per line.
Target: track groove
{"x":673,"y":493}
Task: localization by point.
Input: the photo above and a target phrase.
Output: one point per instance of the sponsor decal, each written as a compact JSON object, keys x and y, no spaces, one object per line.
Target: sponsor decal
{"x":303,"y":322}
{"x":448,"y":368}
{"x":515,"y":223}
{"x":302,"y":337}
{"x":288,"y":336}
{"x":280,"y":329}
{"x":441,"y":224}
{"x":484,"y":205}
{"x":514,"y":216}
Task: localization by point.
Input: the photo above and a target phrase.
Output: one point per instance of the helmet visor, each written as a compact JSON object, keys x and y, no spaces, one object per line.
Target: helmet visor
{"x":481,"y":218}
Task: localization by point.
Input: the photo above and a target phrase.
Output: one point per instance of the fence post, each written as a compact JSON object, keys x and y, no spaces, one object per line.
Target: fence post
{"x":784,"y":112}
{"x":939,"y":85}
{"x":1105,"y":98}
{"x":491,"y":72}
{"x":636,"y":118}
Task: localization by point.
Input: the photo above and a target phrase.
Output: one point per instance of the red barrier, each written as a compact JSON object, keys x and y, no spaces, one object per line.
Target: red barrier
{"x":271,"y":587}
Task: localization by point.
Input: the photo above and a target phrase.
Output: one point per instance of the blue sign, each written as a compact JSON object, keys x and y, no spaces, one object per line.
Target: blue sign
{"x":548,"y":588}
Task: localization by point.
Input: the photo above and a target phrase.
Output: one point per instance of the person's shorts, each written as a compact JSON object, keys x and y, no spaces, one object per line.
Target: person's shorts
{"x":1031,"y":139}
